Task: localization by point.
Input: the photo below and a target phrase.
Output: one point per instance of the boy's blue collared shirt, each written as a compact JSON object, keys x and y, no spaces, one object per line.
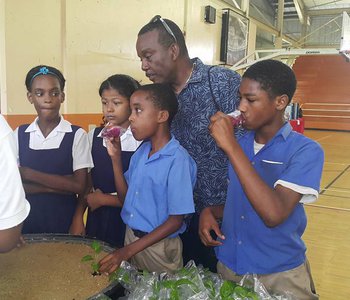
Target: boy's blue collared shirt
{"x":159,"y":186}
{"x":250,"y":246}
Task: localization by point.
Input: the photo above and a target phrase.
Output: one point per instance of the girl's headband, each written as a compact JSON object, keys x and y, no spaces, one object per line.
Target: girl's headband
{"x":43,"y":71}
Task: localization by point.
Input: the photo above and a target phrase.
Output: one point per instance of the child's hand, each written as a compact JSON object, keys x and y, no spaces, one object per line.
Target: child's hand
{"x":114,"y":147}
{"x":208,"y":223}
{"x":221,"y":130}
{"x":112,"y":261}
{"x":94,"y":199}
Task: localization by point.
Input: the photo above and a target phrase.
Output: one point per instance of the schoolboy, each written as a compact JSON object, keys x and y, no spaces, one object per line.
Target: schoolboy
{"x":273,"y":171}
{"x":157,"y":189}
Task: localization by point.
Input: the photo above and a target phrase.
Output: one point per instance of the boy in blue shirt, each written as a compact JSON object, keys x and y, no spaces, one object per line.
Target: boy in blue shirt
{"x":157,"y":189}
{"x":273,"y":171}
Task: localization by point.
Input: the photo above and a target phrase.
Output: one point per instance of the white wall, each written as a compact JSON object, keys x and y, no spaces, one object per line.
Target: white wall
{"x":89,"y":40}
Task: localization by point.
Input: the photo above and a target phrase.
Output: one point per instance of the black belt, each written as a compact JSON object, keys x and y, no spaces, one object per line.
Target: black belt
{"x":139,"y":233}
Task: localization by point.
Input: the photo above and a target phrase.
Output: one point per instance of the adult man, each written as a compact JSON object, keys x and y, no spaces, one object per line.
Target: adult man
{"x":14,"y":208}
{"x":201,"y":91}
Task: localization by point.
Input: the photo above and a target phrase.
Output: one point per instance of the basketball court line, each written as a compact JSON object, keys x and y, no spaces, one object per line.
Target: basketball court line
{"x":323,"y":138}
{"x":337,"y":190}
{"x":334,"y":180}
{"x":328,"y":207}
{"x":335,"y":163}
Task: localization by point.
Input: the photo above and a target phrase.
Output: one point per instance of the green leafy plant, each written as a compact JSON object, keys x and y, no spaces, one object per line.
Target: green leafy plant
{"x":227,"y":289}
{"x":172,"y":285}
{"x":230,"y":291}
{"x":120,"y":275}
{"x":95,"y":266}
{"x":185,"y":283}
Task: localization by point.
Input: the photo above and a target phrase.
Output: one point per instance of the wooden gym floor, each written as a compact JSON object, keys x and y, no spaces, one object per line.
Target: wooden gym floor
{"x":327,"y":235}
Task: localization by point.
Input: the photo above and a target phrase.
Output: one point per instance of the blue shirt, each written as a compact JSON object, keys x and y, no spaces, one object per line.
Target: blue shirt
{"x":250,"y":246}
{"x":190,"y":127}
{"x":159,"y":186}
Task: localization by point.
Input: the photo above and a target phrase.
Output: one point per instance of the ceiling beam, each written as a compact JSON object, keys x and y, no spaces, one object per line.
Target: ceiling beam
{"x":286,"y":5}
{"x":245,"y":7}
{"x":321,"y":12}
{"x":325,"y":3}
{"x":235,"y":4}
{"x":286,"y":53}
{"x":302,"y":40}
{"x":279,"y":25}
{"x":265,"y":26}
{"x":273,"y":31}
{"x":299,"y":6}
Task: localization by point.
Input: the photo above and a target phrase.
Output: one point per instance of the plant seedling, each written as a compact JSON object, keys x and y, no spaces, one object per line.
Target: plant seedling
{"x":95,"y":266}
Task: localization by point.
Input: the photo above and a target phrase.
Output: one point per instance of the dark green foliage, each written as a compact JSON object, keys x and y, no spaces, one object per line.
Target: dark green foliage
{"x":95,"y":266}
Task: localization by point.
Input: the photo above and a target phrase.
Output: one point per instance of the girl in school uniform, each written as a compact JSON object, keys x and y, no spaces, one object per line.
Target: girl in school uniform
{"x":53,"y":158}
{"x":103,"y":220}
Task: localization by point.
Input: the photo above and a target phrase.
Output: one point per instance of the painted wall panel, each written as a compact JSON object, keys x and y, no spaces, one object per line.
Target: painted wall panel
{"x":90,"y":40}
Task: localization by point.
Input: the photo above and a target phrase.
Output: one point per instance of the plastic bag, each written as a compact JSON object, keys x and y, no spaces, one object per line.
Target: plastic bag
{"x":252,"y":281}
{"x":189,"y":283}
{"x":111,"y":131}
{"x":236,"y":118}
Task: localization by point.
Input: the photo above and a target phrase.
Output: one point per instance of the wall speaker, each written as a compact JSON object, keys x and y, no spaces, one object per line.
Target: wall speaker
{"x":210,"y":14}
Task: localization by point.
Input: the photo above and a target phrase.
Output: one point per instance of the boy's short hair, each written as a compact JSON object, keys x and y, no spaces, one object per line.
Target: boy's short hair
{"x":125,"y":85}
{"x":163,"y":97}
{"x":275,"y":77}
{"x":44,"y":70}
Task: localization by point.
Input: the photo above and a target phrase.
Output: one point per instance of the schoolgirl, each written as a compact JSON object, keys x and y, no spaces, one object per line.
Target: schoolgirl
{"x":53,"y":157}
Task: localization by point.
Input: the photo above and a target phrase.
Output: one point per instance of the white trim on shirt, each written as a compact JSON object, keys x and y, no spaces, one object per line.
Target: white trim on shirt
{"x":309,"y":195}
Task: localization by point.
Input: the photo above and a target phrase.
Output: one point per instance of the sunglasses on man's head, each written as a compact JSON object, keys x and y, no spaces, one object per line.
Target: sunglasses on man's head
{"x":166,"y":26}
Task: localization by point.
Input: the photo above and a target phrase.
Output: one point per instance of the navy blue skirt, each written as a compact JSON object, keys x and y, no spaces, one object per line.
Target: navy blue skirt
{"x":106,"y":224}
{"x":49,"y":213}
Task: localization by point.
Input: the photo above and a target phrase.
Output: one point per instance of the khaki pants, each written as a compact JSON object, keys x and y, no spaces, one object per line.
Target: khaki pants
{"x":164,"y":256}
{"x":297,"y":281}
